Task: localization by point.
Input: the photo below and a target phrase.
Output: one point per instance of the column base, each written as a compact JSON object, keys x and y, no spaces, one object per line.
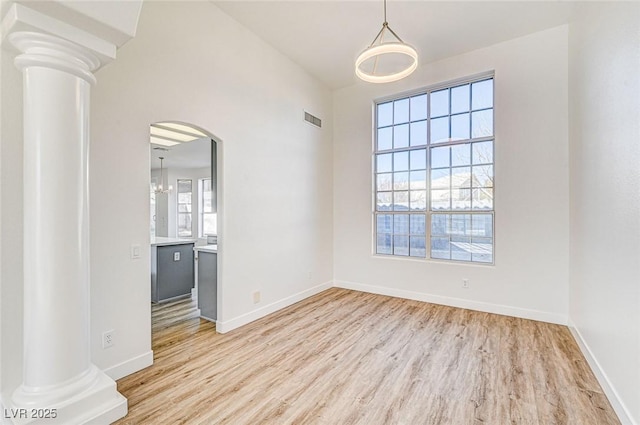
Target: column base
{"x":99,"y":403}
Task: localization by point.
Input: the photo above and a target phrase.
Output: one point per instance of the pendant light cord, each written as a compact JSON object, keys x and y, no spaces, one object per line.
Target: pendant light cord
{"x":385,"y":11}
{"x":385,"y":26}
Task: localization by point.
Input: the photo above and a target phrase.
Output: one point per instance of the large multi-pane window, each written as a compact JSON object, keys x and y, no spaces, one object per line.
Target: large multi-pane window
{"x":185,"y":191}
{"x":433,"y":171}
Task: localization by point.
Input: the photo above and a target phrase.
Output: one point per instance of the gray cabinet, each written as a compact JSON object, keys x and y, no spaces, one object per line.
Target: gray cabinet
{"x":208,"y":284}
{"x":172,"y":272}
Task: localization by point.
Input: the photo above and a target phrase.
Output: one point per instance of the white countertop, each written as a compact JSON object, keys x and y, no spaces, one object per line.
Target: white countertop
{"x":161,"y":241}
{"x":207,"y":248}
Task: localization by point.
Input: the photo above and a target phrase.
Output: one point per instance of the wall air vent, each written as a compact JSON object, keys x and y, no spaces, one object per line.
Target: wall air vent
{"x":312,"y":119}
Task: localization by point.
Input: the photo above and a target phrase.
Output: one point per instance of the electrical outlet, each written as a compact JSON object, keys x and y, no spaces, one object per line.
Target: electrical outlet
{"x":176,"y":256}
{"x":107,"y":339}
{"x":256,"y":297}
{"x":465,"y":283}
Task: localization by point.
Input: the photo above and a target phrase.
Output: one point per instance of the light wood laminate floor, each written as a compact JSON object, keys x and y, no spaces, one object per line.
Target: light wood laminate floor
{"x":345,"y":357}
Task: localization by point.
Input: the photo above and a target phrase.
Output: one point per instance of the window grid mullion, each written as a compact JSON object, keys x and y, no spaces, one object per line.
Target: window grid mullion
{"x":428,"y":213}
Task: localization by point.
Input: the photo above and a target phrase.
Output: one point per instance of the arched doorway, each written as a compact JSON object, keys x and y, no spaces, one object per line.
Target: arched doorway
{"x":185,"y":223}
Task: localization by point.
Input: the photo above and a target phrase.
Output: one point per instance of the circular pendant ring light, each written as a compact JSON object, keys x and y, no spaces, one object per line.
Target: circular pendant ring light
{"x":378,"y":48}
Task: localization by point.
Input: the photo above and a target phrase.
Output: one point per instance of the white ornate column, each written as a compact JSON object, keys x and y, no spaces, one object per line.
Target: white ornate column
{"x":58,"y":374}
{"x":60,"y":384}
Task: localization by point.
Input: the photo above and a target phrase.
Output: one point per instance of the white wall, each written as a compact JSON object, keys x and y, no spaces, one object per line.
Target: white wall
{"x":190,"y":62}
{"x":1,"y":67}
{"x":604,"y":75}
{"x":530,"y":276}
{"x":1,"y":404}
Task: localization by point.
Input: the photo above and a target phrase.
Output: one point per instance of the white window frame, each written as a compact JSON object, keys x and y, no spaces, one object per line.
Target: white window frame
{"x":201,"y":212}
{"x":178,"y":203}
{"x":477,"y":247}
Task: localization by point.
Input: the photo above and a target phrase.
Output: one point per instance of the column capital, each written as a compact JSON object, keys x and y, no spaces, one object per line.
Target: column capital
{"x":98,"y":27}
{"x":48,"y":51}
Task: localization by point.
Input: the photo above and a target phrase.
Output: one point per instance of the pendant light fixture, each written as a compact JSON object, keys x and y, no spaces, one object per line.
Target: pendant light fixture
{"x":160,"y":188}
{"x":386,"y":61}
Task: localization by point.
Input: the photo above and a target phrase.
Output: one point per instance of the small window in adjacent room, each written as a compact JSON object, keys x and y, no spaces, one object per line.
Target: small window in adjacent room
{"x":207,"y":217}
{"x":185,"y":191}
{"x":434,"y":173}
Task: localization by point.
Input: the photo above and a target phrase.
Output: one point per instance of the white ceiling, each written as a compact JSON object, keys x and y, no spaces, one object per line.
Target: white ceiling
{"x":325,"y":36}
{"x":196,"y":154}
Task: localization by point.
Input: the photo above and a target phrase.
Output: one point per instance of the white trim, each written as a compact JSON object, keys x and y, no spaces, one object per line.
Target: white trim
{"x":176,"y":298}
{"x":437,"y":86}
{"x":194,"y":290}
{"x":609,"y":390}
{"x":236,"y":322}
{"x":130,"y":366}
{"x":542,"y":316}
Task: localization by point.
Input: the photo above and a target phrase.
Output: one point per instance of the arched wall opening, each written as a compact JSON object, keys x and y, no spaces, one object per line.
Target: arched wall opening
{"x":185,"y":222}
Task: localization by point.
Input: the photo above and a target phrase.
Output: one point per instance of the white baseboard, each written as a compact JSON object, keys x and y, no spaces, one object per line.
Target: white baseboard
{"x":130,"y":366}
{"x":209,"y":319}
{"x":620,"y":408}
{"x":504,"y":310}
{"x":236,"y":322}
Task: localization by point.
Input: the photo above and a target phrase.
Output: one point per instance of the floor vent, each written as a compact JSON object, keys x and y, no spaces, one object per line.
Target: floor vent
{"x":312,"y":120}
